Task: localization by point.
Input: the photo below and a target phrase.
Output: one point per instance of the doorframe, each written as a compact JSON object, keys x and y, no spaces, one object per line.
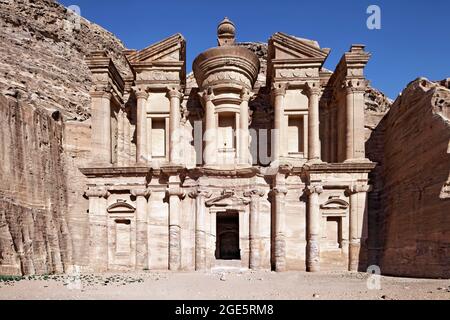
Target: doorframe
{"x":244,"y":233}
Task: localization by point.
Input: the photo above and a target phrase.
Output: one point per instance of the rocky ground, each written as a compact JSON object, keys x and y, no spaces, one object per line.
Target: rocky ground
{"x":220,"y":285}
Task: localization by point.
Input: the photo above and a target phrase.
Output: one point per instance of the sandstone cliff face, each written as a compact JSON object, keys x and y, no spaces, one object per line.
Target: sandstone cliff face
{"x":43,"y":50}
{"x":410,"y":224}
{"x":34,"y":236}
{"x":43,"y":73}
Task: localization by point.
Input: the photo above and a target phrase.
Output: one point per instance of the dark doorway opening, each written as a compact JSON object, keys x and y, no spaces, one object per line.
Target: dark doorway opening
{"x":227,"y":236}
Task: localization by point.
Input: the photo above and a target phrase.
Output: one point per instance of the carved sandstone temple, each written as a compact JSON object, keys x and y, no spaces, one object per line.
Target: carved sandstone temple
{"x":265,"y":168}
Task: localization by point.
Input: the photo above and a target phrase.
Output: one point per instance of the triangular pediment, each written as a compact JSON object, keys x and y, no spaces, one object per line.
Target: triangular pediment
{"x":171,"y":49}
{"x":286,"y":47}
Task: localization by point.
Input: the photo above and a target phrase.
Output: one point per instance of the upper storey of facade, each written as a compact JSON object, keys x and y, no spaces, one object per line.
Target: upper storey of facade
{"x":234,"y":110}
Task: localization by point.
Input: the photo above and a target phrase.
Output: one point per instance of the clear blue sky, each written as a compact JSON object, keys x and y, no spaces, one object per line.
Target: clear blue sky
{"x":414,"y":39}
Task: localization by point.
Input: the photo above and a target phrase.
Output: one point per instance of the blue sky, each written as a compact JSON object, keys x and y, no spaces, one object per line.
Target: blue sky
{"x":414,"y":39}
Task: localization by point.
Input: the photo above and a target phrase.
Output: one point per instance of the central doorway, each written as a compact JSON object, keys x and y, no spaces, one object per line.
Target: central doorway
{"x":227,"y":236}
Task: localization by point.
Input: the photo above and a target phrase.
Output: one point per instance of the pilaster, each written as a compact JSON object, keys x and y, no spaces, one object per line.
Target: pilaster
{"x":280,"y":192}
{"x":244,"y":152}
{"x":314,"y":149}
{"x":142,"y":195}
{"x":313,"y":241}
{"x":355,"y":148}
{"x":278,"y":92}
{"x":98,"y":228}
{"x":141,"y":125}
{"x":175,"y":194}
{"x":175,"y":95}
{"x":358,"y":232}
{"x":200,"y":196}
{"x":255,"y":227}
{"x":210,"y":135}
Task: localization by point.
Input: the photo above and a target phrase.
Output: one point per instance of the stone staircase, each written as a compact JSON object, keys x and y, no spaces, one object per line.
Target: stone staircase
{"x":230,"y":266}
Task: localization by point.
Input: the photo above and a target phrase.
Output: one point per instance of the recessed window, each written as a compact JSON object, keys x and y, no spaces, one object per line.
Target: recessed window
{"x":158,"y":137}
{"x":123,"y":236}
{"x":334,"y":232}
{"x":295,"y":134}
{"x":227,"y":126}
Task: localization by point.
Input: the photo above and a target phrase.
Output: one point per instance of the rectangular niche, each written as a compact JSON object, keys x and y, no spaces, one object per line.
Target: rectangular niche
{"x":333,"y":232}
{"x":158,"y":139}
{"x":296,"y":137}
{"x":227,"y":127}
{"x":123,"y":237}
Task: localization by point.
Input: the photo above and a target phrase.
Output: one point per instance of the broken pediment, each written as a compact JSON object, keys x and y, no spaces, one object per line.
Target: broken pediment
{"x":227,"y":199}
{"x":171,"y":49}
{"x":286,"y":47}
{"x":335,"y":204}
{"x":121,"y":207}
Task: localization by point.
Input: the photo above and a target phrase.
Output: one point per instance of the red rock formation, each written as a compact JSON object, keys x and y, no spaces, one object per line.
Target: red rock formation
{"x":409,"y":207}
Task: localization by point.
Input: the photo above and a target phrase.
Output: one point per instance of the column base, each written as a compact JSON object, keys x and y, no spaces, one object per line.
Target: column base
{"x":313,"y":268}
{"x":354,"y":252}
{"x":314,"y":161}
{"x":280,"y":255}
{"x":313,"y":256}
{"x":358,"y":160}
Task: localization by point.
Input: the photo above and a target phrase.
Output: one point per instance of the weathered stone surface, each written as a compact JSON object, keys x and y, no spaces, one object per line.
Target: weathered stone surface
{"x":409,"y":205}
{"x":43,"y":68}
{"x":34,"y":236}
{"x":43,"y":61}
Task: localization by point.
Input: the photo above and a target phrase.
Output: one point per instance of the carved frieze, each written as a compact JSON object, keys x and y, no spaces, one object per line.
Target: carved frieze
{"x":224,"y":76}
{"x":158,"y":75}
{"x":97,"y":193}
{"x":296,"y":73}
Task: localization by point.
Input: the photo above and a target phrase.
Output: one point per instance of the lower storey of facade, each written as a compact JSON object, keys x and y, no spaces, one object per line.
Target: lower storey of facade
{"x":172,"y":219}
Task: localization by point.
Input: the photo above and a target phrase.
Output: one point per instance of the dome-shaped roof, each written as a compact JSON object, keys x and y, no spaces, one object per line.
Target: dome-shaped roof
{"x":226,"y":28}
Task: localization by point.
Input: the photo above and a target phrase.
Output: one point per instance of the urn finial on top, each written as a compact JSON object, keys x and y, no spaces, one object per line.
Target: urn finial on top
{"x":226,"y":32}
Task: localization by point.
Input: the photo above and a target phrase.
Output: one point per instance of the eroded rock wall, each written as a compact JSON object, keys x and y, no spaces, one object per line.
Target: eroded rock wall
{"x":43,"y":47}
{"x":410,"y":205}
{"x":43,"y":72}
{"x":34,"y":236}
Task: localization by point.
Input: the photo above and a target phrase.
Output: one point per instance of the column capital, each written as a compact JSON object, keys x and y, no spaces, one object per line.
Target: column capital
{"x":200,"y":193}
{"x":101,"y":93}
{"x":207,"y":95}
{"x":176,"y":191}
{"x":254,"y":193}
{"x":279,"y":89}
{"x":175,"y":92}
{"x":354,"y":86}
{"x":313,"y":88}
{"x":280,"y":190}
{"x":314,"y":189}
{"x":141,"y":92}
{"x":246,"y":94}
{"x":357,"y":188}
{"x":141,"y":192}
{"x":97,"y":193}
